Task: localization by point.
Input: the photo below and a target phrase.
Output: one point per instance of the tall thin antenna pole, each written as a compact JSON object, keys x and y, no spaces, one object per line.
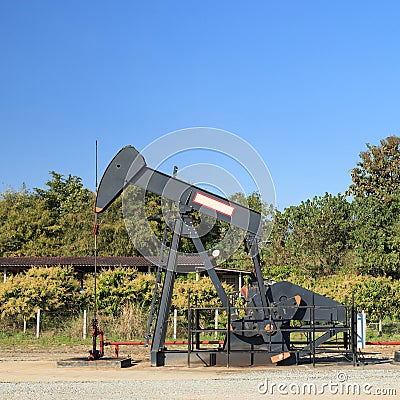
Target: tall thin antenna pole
{"x":95,"y":244}
{"x":94,"y":353}
{"x":96,"y":166}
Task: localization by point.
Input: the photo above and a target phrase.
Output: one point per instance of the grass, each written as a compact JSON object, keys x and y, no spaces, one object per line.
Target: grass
{"x":46,"y":340}
{"x":130,"y":326}
{"x":373,"y":336}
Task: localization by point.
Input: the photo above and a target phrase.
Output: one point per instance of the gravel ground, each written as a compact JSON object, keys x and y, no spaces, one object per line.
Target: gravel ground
{"x":287,"y":384}
{"x":40,"y":379}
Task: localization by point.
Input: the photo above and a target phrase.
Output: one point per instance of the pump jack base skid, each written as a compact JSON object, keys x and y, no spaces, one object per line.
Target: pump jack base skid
{"x":242,"y":359}
{"x":217,"y":358}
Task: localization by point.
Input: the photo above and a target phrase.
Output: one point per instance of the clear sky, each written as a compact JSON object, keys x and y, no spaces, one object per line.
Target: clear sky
{"x":307,"y":83}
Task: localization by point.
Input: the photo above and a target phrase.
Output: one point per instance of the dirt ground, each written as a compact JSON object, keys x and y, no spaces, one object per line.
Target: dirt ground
{"x":31,"y":364}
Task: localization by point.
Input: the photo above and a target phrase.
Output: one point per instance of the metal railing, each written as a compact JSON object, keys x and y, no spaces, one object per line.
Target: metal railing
{"x":310,"y":337}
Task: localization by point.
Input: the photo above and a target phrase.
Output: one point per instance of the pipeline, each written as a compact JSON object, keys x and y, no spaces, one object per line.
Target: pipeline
{"x":142,"y":343}
{"x":383,"y":343}
{"x":184,"y":342}
{"x":219,"y":342}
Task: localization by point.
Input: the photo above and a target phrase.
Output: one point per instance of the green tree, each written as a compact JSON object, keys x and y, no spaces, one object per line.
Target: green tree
{"x":312,"y":237}
{"x":234,"y":239}
{"x":378,"y":172}
{"x":54,"y":221}
{"x":375,"y":188}
{"x":26,"y":225}
{"x":71,"y":207}
{"x":64,"y":195}
{"x":116,"y":233}
{"x":376,"y":236}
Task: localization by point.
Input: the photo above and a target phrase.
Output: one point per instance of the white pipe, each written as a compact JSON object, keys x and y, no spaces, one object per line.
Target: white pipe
{"x":216,"y":322}
{"x":175,"y":321}
{"x":38,"y":324}
{"x":84,"y":324}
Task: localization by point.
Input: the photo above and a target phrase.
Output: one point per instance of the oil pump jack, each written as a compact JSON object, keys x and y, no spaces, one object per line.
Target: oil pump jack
{"x":271,"y":307}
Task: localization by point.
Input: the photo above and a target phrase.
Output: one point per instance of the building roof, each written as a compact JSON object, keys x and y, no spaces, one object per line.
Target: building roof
{"x":103,"y":261}
{"x":185,"y":264}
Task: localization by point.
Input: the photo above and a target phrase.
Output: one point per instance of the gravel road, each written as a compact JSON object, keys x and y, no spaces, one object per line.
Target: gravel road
{"x":206,"y":383}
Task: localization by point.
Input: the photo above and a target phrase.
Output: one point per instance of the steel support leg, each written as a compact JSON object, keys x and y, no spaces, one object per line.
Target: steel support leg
{"x":157,"y":356}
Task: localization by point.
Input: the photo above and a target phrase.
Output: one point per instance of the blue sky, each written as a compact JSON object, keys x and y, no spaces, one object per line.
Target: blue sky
{"x":307,"y":83}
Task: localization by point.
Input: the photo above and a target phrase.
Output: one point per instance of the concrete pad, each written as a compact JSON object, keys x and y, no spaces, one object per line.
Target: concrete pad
{"x":101,"y":363}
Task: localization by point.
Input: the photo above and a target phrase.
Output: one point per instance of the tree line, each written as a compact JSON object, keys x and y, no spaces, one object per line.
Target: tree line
{"x":356,"y":232}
